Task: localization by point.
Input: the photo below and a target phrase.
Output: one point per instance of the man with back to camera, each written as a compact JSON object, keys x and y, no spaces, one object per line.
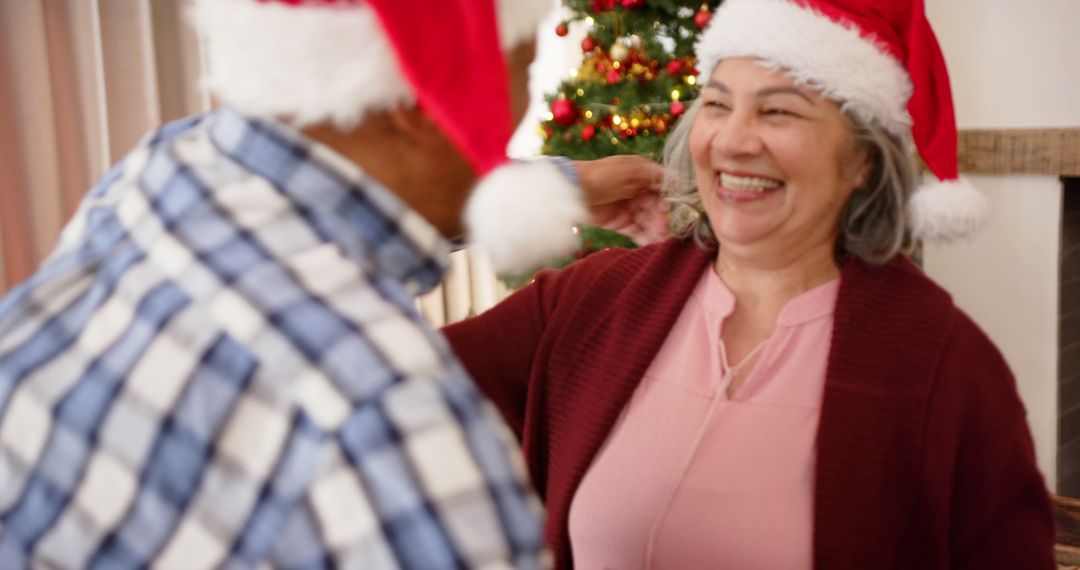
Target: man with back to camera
{"x":221,"y":364}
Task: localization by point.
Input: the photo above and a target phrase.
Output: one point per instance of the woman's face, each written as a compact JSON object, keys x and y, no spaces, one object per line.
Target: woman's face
{"x":774,"y":162}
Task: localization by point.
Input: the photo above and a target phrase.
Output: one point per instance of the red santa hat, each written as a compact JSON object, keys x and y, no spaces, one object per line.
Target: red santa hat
{"x":334,"y":61}
{"x":881,"y":61}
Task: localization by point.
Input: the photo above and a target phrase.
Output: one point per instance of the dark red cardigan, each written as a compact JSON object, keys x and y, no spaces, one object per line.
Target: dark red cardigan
{"x":924,"y":459}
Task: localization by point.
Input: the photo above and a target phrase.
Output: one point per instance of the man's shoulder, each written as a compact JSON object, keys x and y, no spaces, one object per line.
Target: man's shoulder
{"x":169,"y":131}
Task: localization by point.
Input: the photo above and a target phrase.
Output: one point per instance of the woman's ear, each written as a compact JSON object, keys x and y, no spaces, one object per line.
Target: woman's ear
{"x":865,"y":169}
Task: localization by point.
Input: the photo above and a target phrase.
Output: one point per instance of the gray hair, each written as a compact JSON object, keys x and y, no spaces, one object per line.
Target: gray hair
{"x":873,"y":225}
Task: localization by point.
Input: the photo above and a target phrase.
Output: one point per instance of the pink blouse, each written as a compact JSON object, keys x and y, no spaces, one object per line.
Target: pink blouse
{"x":689,"y":478}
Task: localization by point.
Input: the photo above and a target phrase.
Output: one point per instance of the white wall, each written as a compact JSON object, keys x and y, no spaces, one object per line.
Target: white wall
{"x":555,"y":57}
{"x":1013,"y":65}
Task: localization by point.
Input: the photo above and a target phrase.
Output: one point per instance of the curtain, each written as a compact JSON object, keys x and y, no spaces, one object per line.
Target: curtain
{"x":81,"y":81}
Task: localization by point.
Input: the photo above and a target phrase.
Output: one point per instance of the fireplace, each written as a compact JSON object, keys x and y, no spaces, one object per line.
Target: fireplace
{"x":1068,"y":453}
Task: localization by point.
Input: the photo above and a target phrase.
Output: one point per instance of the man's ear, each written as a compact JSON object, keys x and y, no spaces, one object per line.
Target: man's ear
{"x":415,"y":126}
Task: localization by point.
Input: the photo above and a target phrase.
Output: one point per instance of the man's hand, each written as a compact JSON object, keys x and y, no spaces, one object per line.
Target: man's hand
{"x":623,"y":194}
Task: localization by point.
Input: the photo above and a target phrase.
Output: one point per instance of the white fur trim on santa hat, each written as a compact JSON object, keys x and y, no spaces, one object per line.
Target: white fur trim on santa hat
{"x":317,"y":63}
{"x":308,"y":65}
{"x":946,"y":211}
{"x":523,"y":214}
{"x":826,"y":55}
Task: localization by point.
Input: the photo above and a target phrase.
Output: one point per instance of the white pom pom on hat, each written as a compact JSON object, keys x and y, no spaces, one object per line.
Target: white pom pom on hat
{"x":518,"y":202}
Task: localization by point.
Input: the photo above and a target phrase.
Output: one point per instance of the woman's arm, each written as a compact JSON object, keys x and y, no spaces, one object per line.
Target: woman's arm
{"x":1002,"y":516}
{"x":498,"y":347}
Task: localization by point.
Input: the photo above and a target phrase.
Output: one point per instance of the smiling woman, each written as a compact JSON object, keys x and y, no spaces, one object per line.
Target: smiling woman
{"x":804,"y":395}
{"x":775,"y":164}
{"x":872,"y":222}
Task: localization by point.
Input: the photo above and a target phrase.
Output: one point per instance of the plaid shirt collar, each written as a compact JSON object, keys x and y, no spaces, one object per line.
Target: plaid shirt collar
{"x":370,"y":223}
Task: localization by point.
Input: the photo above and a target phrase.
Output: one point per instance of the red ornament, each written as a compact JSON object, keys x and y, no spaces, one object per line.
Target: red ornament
{"x":701,"y":19}
{"x":632,"y":4}
{"x":588,"y":44}
{"x":588,"y":133}
{"x":613,"y":77}
{"x":677,"y":108}
{"x":674,"y":67}
{"x":562,"y":29}
{"x":602,"y":5}
{"x":563,"y":112}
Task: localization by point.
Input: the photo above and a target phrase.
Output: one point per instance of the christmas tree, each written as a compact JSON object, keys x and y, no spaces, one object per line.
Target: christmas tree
{"x":636,"y":77}
{"x":634,"y":81}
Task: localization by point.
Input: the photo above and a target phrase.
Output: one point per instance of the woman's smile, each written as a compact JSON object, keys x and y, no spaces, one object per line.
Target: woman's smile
{"x":741,"y":186}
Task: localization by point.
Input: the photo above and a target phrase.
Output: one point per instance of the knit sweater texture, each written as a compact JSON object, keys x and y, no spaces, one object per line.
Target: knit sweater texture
{"x":924,"y":458}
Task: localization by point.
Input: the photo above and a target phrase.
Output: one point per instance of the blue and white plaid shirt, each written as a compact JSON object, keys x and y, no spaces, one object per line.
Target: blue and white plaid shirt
{"x":222,"y":366}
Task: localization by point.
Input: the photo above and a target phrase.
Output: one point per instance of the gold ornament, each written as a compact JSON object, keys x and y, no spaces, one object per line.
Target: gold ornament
{"x":619,"y":52}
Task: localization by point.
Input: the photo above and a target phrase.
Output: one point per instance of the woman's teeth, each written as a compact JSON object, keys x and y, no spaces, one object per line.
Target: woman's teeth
{"x":747,"y":183}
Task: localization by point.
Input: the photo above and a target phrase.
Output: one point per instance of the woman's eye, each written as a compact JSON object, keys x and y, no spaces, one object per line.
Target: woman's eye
{"x":777,"y":112}
{"x":716,"y":105}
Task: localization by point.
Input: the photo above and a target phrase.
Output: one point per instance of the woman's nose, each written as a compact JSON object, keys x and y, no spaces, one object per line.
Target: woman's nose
{"x":738,"y":136}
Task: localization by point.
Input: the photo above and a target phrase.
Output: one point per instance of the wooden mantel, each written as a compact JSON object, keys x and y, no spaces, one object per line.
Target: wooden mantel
{"x":1054,"y":152}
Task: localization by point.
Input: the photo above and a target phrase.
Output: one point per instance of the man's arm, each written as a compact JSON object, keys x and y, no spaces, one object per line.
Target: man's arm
{"x":422,"y":477}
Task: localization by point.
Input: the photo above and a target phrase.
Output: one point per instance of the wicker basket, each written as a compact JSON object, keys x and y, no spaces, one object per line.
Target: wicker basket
{"x":1067,"y":511}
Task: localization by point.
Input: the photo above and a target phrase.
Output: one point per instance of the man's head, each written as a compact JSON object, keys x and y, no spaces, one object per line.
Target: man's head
{"x":427,"y":93}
